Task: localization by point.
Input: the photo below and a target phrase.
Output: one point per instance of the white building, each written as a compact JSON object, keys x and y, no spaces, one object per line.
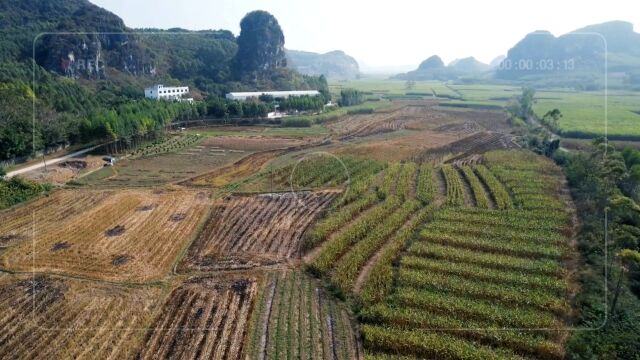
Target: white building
{"x":276,"y":94}
{"x":165,"y":92}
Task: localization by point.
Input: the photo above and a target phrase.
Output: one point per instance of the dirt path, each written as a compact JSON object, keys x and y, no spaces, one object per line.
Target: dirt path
{"x":441,"y":194}
{"x":364,"y":273}
{"x":469,"y":199}
{"x":50,"y":162}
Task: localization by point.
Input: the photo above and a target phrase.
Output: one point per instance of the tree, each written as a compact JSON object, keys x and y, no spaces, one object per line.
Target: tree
{"x":627,"y":259}
{"x":521,"y":107}
{"x":260,"y":45}
{"x":350,"y":97}
{"x":552,"y":118}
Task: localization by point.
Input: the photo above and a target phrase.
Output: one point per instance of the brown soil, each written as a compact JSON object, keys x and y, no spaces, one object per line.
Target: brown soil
{"x":247,"y":231}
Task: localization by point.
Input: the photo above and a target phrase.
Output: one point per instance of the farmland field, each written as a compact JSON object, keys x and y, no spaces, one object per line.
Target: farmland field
{"x":247,"y":231}
{"x":202,"y":318}
{"x":131,"y":235}
{"x":47,"y":317}
{"x":416,"y":231}
{"x":295,"y":318}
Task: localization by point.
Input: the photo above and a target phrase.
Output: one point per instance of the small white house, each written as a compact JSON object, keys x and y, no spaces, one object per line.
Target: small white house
{"x":158,"y":92}
{"x":241,"y":96}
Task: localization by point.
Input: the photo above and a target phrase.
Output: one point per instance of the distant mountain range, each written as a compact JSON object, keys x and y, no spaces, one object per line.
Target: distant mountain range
{"x":575,"y":59}
{"x":334,"y":64}
{"x":433,"y":68}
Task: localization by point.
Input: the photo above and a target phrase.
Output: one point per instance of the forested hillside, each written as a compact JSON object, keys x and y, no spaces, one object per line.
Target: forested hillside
{"x":91,"y":69}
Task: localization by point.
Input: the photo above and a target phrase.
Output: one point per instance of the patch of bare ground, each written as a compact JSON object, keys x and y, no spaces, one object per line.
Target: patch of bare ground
{"x":249,"y":231}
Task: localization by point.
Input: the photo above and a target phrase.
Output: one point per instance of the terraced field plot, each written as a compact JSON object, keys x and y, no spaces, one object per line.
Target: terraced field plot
{"x":397,"y":117}
{"x":165,"y":167}
{"x":306,"y":171}
{"x":132,"y":235}
{"x":45,"y":317}
{"x":356,"y":235}
{"x":204,"y":318}
{"x":294,"y":318}
{"x":479,"y":283}
{"x":248,"y":231}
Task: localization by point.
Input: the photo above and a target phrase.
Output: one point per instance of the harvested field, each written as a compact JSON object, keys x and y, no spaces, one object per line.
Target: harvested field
{"x":248,"y":231}
{"x":252,"y":143}
{"x":404,"y":146}
{"x":83,"y":232}
{"x":294,"y":319}
{"x":46,"y":214}
{"x":407,"y":116}
{"x":204,"y":318}
{"x":163,"y":168}
{"x":489,"y":120}
{"x":240,"y":169}
{"x":44,"y":317}
{"x":475,"y":144}
{"x":66,"y":171}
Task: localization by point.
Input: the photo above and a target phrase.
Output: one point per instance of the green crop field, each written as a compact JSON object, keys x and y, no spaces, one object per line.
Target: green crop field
{"x":394,"y":88}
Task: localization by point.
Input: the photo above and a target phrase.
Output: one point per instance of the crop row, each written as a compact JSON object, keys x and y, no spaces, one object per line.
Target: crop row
{"x":463,"y":307}
{"x":497,"y":245}
{"x":478,"y":289}
{"x":336,"y":246}
{"x":490,"y":260}
{"x":518,"y":219}
{"x":337,"y":219}
{"x":431,"y":345}
{"x":482,"y":201}
{"x":162,"y":146}
{"x":293,"y":319}
{"x":498,"y":191}
{"x":349,"y":266}
{"x":426,"y":187}
{"x":455,"y":196}
{"x":472,"y":271}
{"x":500,"y":232}
{"x":405,"y":181}
{"x":389,"y":179}
{"x":482,"y":331}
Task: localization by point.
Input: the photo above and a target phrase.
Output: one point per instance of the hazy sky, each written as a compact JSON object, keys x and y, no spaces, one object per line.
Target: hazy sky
{"x":385,"y":33}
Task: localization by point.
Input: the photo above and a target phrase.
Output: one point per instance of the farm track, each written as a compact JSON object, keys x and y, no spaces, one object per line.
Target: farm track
{"x":270,"y":232}
{"x":469,"y":199}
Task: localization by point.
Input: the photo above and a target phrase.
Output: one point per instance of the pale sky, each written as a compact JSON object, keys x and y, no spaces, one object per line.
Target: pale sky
{"x":385,"y":34}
